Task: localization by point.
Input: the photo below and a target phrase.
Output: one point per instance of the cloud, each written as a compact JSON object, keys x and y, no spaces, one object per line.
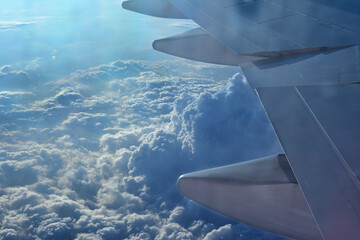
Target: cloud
{"x":17,"y":174}
{"x":12,"y":25}
{"x":223,"y":232}
{"x":98,"y":154}
{"x":54,"y":228}
{"x":184,"y":24}
{"x":213,"y":125}
{"x":13,"y":79}
{"x":64,"y":97}
{"x":8,"y":233}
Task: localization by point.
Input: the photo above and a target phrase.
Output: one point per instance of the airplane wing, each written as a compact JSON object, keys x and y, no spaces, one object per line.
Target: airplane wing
{"x":302,"y":59}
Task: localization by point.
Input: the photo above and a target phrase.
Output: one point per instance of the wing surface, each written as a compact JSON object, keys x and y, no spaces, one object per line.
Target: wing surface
{"x":321,"y":140}
{"x":271,"y":25}
{"x":337,"y":66}
{"x":303,"y":60}
{"x":319,"y":129}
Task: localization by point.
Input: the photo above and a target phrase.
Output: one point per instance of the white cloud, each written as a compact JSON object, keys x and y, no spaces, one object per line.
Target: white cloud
{"x":12,"y":25}
{"x":17,"y":174}
{"x":221,"y":233}
{"x":13,"y":79}
{"x":8,"y":233}
{"x":97,"y":156}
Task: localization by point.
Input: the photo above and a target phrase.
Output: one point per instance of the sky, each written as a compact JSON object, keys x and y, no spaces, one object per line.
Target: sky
{"x":96,"y":126}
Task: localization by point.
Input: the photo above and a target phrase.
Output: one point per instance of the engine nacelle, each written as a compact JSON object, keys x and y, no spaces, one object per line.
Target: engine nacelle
{"x":263,"y":193}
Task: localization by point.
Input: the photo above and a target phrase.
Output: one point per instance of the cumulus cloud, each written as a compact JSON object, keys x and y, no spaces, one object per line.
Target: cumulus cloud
{"x":98,"y":155}
{"x":13,"y":79}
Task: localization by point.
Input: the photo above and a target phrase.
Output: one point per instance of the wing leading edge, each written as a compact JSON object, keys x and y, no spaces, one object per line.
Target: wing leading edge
{"x":302,"y":59}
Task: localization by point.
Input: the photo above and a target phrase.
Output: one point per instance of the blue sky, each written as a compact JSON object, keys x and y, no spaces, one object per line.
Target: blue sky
{"x":95,"y":126}
{"x":79,"y":34}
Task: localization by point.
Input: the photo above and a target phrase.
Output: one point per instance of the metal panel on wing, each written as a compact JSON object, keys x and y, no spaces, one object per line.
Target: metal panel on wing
{"x":227,"y":25}
{"x":339,"y":13}
{"x":269,"y":27}
{"x":325,"y":175}
{"x":336,"y":66}
{"x":338,"y":110}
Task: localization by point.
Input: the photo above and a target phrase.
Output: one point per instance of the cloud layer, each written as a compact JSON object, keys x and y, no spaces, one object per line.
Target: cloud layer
{"x":96,"y":155}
